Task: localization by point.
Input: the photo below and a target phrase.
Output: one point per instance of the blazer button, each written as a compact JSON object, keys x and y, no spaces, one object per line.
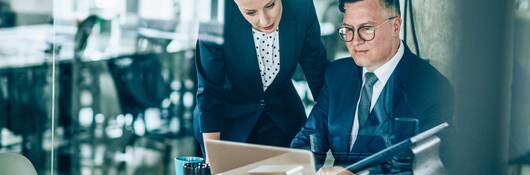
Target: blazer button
{"x":262,"y":103}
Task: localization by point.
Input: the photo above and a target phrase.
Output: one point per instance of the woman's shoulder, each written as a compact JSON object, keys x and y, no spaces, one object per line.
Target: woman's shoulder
{"x":300,"y":3}
{"x":302,"y":9}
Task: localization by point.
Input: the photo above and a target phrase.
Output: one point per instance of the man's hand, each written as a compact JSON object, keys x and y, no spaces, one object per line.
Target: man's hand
{"x":334,"y":171}
{"x":209,"y":136}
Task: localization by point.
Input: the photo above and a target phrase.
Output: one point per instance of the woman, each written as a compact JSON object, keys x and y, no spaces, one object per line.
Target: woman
{"x":245,"y":92}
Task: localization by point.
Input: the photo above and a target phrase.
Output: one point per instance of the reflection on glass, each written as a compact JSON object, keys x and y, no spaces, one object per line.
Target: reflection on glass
{"x":519,"y":152}
{"x":125,"y":77}
{"x":25,"y":83}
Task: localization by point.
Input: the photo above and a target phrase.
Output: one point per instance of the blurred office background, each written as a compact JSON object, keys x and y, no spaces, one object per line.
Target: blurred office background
{"x":107,"y":86}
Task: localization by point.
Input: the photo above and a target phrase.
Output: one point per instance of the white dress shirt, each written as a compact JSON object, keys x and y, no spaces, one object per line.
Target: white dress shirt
{"x":382,"y":73}
{"x":268,"y":52}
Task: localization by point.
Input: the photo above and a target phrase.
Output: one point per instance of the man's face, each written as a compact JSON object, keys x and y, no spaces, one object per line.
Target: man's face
{"x":372,"y":54}
{"x":263,"y":15}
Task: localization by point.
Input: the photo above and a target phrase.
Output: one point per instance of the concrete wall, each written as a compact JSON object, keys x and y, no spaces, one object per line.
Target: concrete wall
{"x":470,"y":42}
{"x":520,"y":121}
{"x":484,"y":75}
{"x":436,"y":23}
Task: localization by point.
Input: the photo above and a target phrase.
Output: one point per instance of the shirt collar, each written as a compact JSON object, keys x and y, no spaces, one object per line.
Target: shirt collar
{"x":383,"y":73}
{"x":259,"y":32}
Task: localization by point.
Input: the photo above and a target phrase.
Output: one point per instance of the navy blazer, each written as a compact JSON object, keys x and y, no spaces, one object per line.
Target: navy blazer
{"x":230,"y":96}
{"x":415,"y":90}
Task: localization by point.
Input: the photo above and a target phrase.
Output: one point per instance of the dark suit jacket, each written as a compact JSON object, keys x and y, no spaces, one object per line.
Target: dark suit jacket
{"x":230,"y":96}
{"x":415,"y":90}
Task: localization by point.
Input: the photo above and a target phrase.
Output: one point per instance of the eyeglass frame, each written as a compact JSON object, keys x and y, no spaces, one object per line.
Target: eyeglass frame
{"x":351,"y":28}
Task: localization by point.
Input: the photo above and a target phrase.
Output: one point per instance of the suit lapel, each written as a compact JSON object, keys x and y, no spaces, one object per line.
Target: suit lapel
{"x":398,"y":81}
{"x":351,"y":90}
{"x":287,"y":35}
{"x":242,"y":43}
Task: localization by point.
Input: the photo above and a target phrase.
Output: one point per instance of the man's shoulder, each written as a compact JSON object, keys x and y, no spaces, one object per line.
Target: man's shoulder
{"x":423,"y":70}
{"x":341,"y":65}
{"x":425,"y":78}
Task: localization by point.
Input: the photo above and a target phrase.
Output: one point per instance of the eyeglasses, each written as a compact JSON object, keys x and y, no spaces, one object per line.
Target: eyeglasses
{"x":366,"y":33}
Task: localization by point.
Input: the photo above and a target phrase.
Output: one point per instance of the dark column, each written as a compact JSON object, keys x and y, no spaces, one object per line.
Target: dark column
{"x":482,"y":81}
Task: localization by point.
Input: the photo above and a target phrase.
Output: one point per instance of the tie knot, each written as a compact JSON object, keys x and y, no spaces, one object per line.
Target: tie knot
{"x":370,"y":79}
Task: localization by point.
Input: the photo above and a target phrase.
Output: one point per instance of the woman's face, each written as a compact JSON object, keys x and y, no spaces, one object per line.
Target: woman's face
{"x":263,"y":15}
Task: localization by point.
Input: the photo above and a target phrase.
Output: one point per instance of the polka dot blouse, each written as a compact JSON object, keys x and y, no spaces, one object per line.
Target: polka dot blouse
{"x":268,"y":52}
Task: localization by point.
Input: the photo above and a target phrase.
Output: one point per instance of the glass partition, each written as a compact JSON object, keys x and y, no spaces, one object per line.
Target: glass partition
{"x":26,"y":82}
{"x":125,"y":85}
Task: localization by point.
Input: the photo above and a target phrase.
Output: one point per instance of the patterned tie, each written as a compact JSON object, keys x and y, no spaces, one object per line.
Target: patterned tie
{"x":366,"y":97}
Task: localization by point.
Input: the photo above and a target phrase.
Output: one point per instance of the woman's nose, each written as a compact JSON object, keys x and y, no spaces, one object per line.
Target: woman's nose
{"x":263,"y":21}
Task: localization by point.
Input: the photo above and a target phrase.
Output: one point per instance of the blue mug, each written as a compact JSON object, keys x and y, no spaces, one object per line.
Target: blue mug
{"x":180,"y":161}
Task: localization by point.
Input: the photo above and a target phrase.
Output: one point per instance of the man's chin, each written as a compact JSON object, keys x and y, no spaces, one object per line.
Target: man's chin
{"x":359,"y":61}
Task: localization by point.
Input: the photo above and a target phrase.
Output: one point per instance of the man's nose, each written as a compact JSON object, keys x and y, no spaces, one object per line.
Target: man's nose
{"x":357,"y":40}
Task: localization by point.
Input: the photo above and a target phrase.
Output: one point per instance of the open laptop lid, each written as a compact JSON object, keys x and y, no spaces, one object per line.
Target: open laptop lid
{"x":235,"y":158}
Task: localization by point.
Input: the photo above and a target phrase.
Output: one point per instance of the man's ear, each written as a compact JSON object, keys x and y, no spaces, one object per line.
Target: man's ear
{"x":397,"y":24}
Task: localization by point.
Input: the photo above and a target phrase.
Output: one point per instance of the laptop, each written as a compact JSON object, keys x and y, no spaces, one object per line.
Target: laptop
{"x":231,"y":158}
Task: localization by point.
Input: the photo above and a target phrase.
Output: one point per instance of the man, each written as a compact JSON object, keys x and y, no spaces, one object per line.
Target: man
{"x":369,"y":98}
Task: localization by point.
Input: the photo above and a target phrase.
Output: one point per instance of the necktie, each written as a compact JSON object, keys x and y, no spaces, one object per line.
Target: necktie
{"x":366,"y":97}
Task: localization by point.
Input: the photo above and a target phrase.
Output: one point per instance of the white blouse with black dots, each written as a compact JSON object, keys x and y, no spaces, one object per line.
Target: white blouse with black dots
{"x":268,"y":52}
